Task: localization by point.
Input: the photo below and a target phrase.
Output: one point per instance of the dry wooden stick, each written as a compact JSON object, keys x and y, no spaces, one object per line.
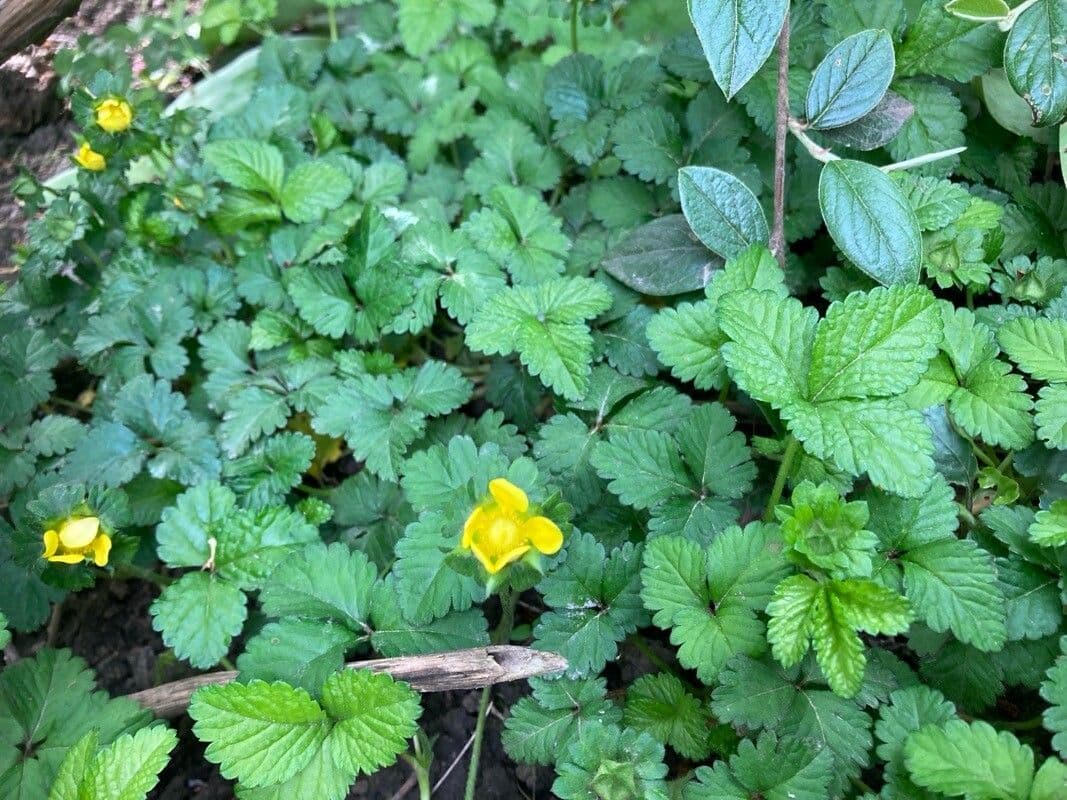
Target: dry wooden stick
{"x":437,"y":672}
{"x":24,"y":22}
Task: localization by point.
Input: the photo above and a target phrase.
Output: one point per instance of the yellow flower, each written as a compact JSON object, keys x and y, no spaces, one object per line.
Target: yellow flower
{"x":501,"y":530}
{"x":78,"y":539}
{"x":114,"y":114}
{"x":89,"y":158}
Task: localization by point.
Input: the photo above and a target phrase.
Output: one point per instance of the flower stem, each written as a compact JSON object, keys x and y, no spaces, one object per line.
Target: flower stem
{"x":508,"y":600}
{"x":792,"y":446}
{"x":123,"y":571}
{"x":331,"y":17}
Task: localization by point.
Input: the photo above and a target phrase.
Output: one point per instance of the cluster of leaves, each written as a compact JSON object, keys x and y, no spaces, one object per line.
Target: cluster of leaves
{"x":283,"y":340}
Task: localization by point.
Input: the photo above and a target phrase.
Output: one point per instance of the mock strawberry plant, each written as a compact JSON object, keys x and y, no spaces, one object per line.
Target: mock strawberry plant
{"x":732,"y":342}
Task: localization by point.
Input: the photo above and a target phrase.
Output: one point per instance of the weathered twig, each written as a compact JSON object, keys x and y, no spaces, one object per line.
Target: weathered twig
{"x":781,"y":135}
{"x":24,"y":22}
{"x":438,"y":672}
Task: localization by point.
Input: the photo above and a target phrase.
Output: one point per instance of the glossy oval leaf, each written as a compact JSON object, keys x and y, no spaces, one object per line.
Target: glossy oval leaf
{"x":876,"y":129}
{"x":851,"y":80}
{"x":1035,"y":60}
{"x":871,"y":221}
{"x":737,"y":37}
{"x":662,"y":258}
{"x":978,"y":10}
{"x":721,"y":210}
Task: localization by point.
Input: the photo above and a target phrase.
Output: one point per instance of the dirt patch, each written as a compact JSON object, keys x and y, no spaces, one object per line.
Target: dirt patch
{"x":110,"y":627}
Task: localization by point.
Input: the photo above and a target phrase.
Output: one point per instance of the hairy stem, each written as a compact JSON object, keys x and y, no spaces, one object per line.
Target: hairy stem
{"x":792,"y":447}
{"x":508,"y":599}
{"x":331,"y":17}
{"x":781,"y":134}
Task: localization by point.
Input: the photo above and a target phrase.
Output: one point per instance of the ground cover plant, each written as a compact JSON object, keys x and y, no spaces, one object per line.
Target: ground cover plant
{"x":732,"y":343}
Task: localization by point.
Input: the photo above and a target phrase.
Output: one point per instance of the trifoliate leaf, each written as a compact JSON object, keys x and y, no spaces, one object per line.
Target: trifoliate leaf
{"x":381,"y":416}
{"x":660,"y":705}
{"x":595,"y":605}
{"x":258,"y":733}
{"x":612,"y":762}
{"x":518,"y":231}
{"x":769,"y":767}
{"x":375,"y":716}
{"x":540,"y":728}
{"x":958,"y":758}
{"x":545,"y":325}
{"x":198,"y":616}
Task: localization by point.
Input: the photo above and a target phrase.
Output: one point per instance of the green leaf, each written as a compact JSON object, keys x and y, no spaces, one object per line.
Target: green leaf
{"x":518,"y":231}
{"x":737,"y":37}
{"x":874,"y":344}
{"x":327,"y":583}
{"x":1038,"y":346}
{"x":993,"y":404}
{"x":252,"y":413}
{"x":883,"y":438}
{"x":1034,"y":60}
{"x":662,"y":258}
{"x":1049,"y":528}
{"x":941,"y":44}
{"x":660,"y":705}
{"x":198,"y":616}
{"x":770,"y":352}
{"x":851,"y":80}
{"x":688,"y":339}
{"x":312,"y":189}
{"x":978,"y":10}
{"x":129,"y":767}
{"x":545,"y":325}
{"x":375,"y":715}
{"x":607,"y":761}
{"x":258,"y":733}
{"x":952,"y":585}
{"x":429,"y":586}
{"x":247,"y":164}
{"x":1054,"y":691}
{"x":649,"y":143}
{"x":302,"y":653}
{"x":871,"y":221}
{"x":973,"y":759}
{"x":908,"y":710}
{"x":50,"y":701}
{"x":769,"y":767}
{"x":595,"y":605}
{"x":541,"y":727}
{"x":721,"y":210}
{"x":877,"y":128}
{"x":1051,"y":416}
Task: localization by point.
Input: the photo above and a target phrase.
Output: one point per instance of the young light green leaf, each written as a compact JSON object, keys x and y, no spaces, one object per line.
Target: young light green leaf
{"x":978,"y":10}
{"x":871,"y":221}
{"x":851,"y":80}
{"x":737,"y":37}
{"x":721,"y":210}
{"x":129,"y":767}
{"x":973,"y":759}
{"x":248,"y":164}
{"x":1038,"y":346}
{"x":259,"y":733}
{"x":198,"y":616}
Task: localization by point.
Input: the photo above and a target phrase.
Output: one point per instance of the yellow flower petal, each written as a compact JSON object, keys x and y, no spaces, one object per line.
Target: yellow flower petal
{"x":494,"y":562}
{"x":51,"y":544}
{"x":509,"y":496}
{"x":89,"y":159}
{"x":114,"y":115}
{"x":543,"y":534}
{"x":67,"y":558}
{"x":101,"y":549}
{"x":474,"y":521}
{"x":75,"y":533}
